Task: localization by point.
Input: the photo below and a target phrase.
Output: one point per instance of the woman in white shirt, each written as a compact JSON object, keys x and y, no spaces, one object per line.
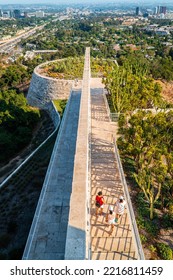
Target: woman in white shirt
{"x":110,"y":219}
{"x":120,"y":206}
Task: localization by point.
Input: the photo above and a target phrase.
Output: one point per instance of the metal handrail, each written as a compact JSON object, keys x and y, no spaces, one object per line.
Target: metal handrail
{"x":112,"y":116}
{"x":106,"y":103}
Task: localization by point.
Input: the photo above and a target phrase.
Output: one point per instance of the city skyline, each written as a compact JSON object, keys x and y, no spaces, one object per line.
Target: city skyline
{"x":54,"y":2}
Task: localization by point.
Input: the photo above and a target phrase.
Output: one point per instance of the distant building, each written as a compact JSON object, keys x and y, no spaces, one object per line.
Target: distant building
{"x":116,"y":47}
{"x":137,"y":11}
{"x":162,"y":10}
{"x":25,"y":14}
{"x":158,"y":10}
{"x":17,"y":14}
{"x":39,"y":14}
{"x":131,"y":46}
{"x":155,"y":10}
{"x":145,"y":15}
{"x":162,"y":32}
{"x":0,"y":13}
{"x":6,"y":14}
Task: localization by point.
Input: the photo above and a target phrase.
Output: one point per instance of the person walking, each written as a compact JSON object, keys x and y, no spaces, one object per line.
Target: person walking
{"x":99,"y":203}
{"x":110,"y":219}
{"x":120,"y":206}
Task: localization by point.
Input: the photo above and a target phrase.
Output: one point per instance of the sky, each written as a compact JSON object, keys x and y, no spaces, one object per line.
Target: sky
{"x":139,"y":2}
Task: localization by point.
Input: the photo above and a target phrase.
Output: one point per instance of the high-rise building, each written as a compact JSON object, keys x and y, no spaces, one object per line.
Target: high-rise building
{"x":0,"y":13}
{"x":137,"y":11}
{"x":155,"y":10}
{"x":17,"y":14}
{"x":158,"y":10}
{"x":163,"y":10}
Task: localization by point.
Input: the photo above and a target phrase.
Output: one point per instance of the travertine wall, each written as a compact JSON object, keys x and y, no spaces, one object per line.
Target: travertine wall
{"x":43,"y":89}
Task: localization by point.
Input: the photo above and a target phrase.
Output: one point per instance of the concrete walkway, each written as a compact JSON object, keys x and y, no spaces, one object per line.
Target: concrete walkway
{"x":47,"y":237}
{"x":105,"y":177}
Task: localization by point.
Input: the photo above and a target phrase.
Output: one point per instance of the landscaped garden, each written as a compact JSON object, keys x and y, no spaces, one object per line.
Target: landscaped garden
{"x":72,"y":68}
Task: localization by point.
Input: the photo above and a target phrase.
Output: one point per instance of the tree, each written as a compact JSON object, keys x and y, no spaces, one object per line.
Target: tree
{"x":150,"y":179}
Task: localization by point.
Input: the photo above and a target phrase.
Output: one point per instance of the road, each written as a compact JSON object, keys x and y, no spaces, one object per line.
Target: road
{"x":10,"y":45}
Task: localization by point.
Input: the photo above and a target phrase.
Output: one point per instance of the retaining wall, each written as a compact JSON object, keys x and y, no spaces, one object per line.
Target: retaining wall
{"x":43,"y":89}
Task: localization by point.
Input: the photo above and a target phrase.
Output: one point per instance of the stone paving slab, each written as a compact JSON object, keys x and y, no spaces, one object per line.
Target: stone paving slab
{"x":102,"y":230}
{"x":114,"y":256}
{"x":112,"y":244}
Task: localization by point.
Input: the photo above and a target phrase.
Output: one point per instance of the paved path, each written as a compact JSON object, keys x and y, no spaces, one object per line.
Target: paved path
{"x":105,"y":177}
{"x":47,"y":236}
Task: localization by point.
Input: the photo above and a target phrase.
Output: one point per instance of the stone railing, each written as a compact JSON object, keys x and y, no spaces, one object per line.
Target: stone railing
{"x":77,"y":233}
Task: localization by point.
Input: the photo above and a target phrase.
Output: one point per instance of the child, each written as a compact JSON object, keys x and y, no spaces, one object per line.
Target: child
{"x":99,"y":203}
{"x":110,"y":219}
{"x":120,"y":206}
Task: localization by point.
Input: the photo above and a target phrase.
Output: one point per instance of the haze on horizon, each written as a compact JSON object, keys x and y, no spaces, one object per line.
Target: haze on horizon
{"x":137,"y":2}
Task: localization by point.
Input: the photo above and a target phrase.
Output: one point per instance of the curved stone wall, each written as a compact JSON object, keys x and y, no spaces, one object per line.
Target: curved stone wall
{"x":43,"y":89}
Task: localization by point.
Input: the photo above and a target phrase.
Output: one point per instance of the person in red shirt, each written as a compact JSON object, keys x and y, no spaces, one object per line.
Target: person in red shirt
{"x":99,"y":203}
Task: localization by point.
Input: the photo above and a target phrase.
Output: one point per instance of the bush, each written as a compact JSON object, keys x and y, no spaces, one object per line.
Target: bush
{"x":165,"y":251}
{"x":143,"y":238}
{"x":151,"y":227}
{"x":170,"y":208}
{"x":121,"y":120}
{"x":152,"y":248}
{"x":167,"y":221}
{"x":140,"y":222}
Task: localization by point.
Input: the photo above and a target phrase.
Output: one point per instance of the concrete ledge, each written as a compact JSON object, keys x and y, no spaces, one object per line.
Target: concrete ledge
{"x":77,"y":234}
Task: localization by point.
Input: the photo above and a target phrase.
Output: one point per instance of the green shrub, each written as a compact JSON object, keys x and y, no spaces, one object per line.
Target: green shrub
{"x":151,"y":227}
{"x":152,"y":248}
{"x":143,"y":238}
{"x":170,"y":208}
{"x":121,"y":120}
{"x":167,"y":221}
{"x":165,"y":251}
{"x":140,"y":222}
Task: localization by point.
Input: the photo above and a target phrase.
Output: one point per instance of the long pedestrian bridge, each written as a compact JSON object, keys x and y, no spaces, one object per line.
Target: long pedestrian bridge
{"x":85,"y":160}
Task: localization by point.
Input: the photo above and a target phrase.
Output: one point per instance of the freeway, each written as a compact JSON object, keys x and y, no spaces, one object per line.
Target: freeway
{"x":9,"y":46}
